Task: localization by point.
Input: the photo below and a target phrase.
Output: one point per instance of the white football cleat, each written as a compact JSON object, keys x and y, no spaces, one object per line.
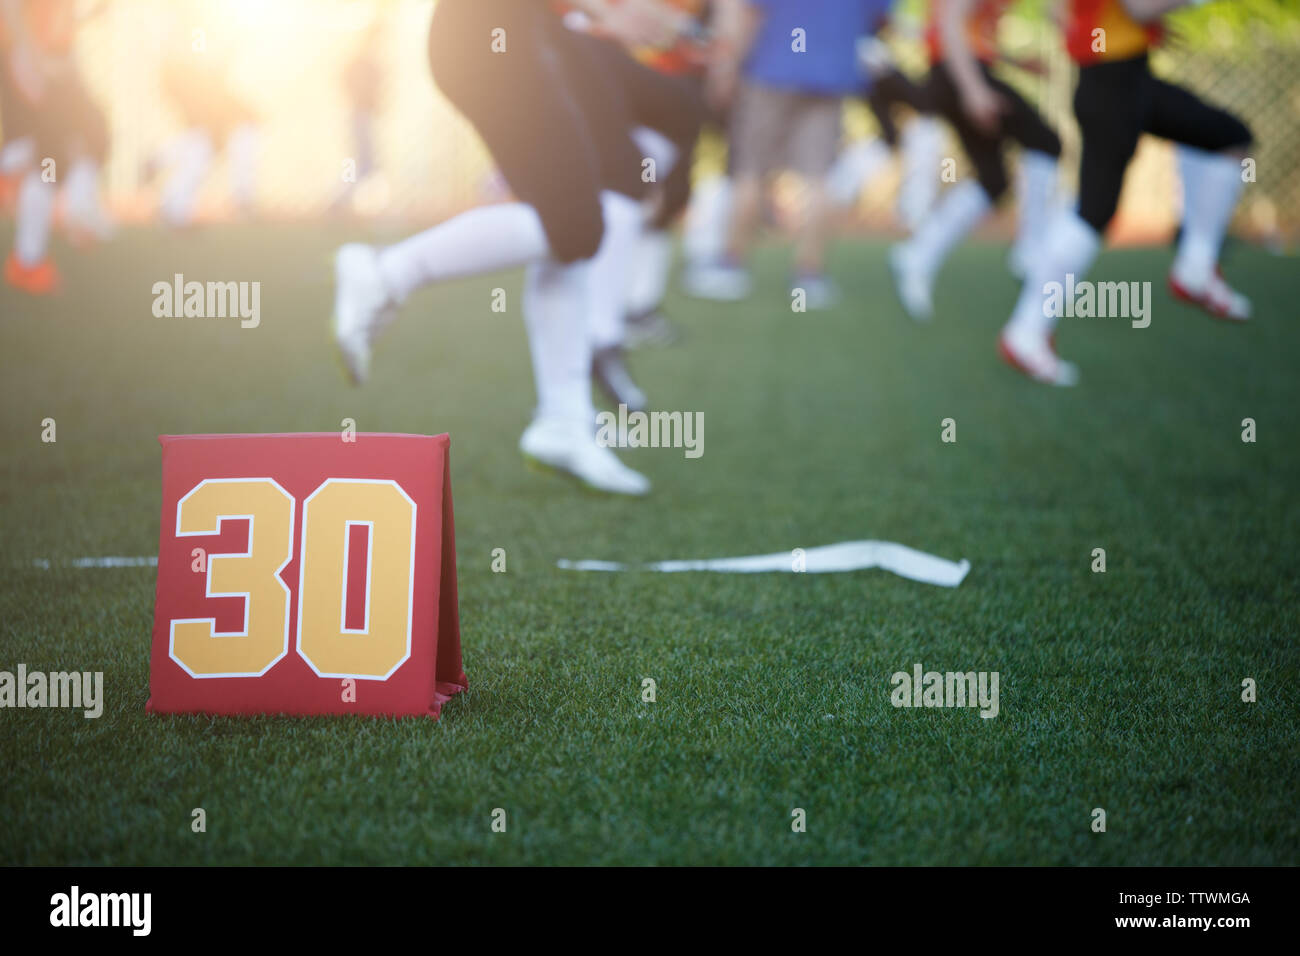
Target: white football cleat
{"x":717,"y":282}
{"x":1033,"y":354}
{"x":362,"y":306}
{"x":911,"y":284}
{"x":571,"y":447}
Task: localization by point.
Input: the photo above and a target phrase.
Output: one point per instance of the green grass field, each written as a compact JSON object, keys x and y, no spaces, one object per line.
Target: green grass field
{"x":1119,"y":690}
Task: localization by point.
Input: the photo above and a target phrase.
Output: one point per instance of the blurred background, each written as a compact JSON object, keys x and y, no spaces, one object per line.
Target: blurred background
{"x":306,"y":73}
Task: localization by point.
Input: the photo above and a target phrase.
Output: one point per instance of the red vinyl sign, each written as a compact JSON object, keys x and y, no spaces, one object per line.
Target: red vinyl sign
{"x":306,"y":574}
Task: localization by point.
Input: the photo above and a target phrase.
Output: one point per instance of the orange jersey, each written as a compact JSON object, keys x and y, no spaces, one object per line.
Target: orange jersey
{"x":1099,"y":30}
{"x":685,"y":56}
{"x":981,"y":28}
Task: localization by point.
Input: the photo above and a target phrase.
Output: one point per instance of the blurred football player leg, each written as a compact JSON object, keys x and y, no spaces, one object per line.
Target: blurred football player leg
{"x":666,"y":110}
{"x":83,"y":209}
{"x":916,"y":262}
{"x":755,"y":138}
{"x":644,"y":322}
{"x":1069,"y":248}
{"x":1036,"y":199}
{"x":561,"y":433}
{"x":16,"y":156}
{"x":29,"y":267}
{"x":986,"y":113}
{"x":1212,"y":184}
{"x":190,"y":157}
{"x":85,"y":217}
{"x":887,"y":87}
{"x":704,"y":234}
{"x":242,"y":154}
{"x":921,"y":144}
{"x":724,"y":278}
{"x":563,"y":377}
{"x":610,"y":276}
{"x":37,"y":100}
{"x":535,"y":126}
{"x":812,"y":239}
{"x":1118,"y":99}
{"x":371,"y":283}
{"x":854,"y":169}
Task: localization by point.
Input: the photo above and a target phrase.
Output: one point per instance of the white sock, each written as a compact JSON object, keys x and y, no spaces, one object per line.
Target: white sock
{"x":241,"y":151}
{"x":555,"y":313}
{"x":1211,"y":186}
{"x":854,"y":169}
{"x":957,"y":213}
{"x":612,"y":269}
{"x":704,"y":237}
{"x":16,"y":155}
{"x":921,"y":144}
{"x":1036,"y":197}
{"x":33,"y":214}
{"x":654,"y":260}
{"x":191,"y":154}
{"x":486,"y":239}
{"x":1069,"y":247}
{"x":81,"y":186}
{"x":658,"y":147}
{"x":81,"y":200}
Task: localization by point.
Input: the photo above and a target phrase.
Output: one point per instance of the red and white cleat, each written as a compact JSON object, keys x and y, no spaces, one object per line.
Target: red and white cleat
{"x":1035,"y":356}
{"x":1218,"y":298}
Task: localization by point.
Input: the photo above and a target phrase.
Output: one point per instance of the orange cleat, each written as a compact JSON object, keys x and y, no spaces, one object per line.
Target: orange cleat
{"x":40,"y":279}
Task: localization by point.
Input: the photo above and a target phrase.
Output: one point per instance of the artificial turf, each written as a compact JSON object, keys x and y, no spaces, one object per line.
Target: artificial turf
{"x":1119,"y":690}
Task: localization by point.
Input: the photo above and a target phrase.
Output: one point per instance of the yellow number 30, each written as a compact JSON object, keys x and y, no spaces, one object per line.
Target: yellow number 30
{"x":376,"y":650}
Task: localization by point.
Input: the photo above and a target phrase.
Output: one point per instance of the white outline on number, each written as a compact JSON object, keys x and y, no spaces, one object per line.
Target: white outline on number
{"x":370,"y":556}
{"x":246,"y":595}
{"x":410,"y":574}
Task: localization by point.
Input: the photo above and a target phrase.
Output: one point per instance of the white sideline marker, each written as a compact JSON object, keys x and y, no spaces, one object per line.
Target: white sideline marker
{"x":46,"y":564}
{"x":832,"y":558}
